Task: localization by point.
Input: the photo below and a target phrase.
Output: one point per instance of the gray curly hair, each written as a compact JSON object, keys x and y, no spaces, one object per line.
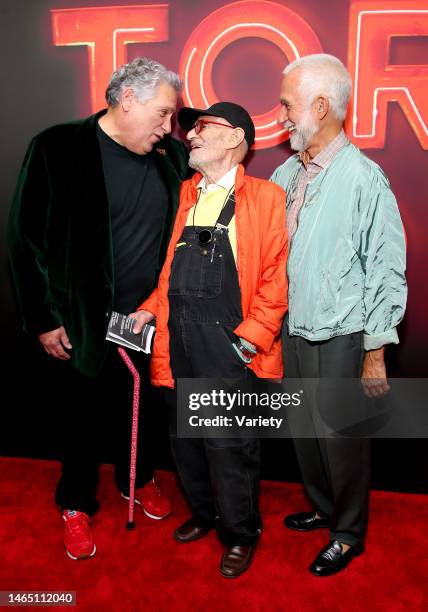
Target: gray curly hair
{"x":143,"y":75}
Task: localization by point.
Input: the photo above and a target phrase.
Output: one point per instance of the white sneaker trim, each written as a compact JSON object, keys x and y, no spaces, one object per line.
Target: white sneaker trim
{"x":79,"y":558}
{"x":152,"y":516}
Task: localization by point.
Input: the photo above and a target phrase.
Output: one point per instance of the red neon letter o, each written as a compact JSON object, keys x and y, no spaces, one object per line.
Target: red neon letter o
{"x":256,"y":18}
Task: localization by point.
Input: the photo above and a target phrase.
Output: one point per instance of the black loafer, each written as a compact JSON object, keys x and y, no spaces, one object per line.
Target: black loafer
{"x":190,"y":531}
{"x":306,"y":521}
{"x":331,"y":559}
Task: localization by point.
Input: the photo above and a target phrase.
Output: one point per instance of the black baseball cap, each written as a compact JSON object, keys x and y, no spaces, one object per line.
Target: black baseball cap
{"x":235,"y":114}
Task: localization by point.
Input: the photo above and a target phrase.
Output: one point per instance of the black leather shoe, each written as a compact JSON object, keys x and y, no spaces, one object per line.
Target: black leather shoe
{"x":306,"y":521}
{"x":331,"y":559}
{"x":236,"y":560}
{"x":191,"y":530}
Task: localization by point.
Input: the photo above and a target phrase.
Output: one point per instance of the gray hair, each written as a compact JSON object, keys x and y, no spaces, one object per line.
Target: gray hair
{"x":143,"y":75}
{"x":324,"y":74}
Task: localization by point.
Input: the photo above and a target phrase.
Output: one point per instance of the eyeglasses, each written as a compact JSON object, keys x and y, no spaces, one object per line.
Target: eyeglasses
{"x":201,"y":123}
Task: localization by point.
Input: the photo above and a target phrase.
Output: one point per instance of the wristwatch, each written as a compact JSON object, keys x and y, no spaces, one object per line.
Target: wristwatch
{"x":245,"y":350}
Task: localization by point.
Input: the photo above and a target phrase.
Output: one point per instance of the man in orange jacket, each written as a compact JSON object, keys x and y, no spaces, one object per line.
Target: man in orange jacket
{"x":219,"y":306}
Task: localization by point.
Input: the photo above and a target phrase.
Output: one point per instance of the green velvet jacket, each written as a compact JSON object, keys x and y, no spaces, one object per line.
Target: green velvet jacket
{"x":59,"y":235}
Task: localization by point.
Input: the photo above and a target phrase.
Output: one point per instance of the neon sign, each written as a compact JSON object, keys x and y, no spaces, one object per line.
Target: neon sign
{"x":107,"y":30}
{"x":270,"y":21}
{"x":376,"y":82}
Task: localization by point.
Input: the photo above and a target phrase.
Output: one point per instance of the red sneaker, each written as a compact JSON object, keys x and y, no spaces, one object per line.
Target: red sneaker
{"x":155,"y":504}
{"x":78,"y":538}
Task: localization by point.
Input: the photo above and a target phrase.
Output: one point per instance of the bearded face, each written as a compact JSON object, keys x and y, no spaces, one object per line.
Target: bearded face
{"x":296,"y":114}
{"x":302,"y":131}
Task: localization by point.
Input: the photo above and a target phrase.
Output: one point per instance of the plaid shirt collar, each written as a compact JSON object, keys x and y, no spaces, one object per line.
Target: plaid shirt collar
{"x":326,"y":155}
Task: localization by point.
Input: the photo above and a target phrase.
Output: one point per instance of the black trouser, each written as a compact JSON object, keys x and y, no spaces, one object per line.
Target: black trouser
{"x":335,"y":471}
{"x":97,"y":421}
{"x":220,"y":477}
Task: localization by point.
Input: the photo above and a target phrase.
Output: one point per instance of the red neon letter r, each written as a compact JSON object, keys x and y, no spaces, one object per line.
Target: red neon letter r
{"x":376,"y":82}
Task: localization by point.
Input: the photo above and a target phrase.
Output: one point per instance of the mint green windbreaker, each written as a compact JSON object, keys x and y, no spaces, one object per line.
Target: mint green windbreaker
{"x":347,"y":258}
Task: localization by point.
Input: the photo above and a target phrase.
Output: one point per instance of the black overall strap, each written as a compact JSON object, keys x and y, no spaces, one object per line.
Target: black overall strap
{"x":227,"y":213}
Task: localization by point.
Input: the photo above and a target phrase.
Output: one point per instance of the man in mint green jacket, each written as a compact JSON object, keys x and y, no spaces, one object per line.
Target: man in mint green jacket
{"x":347,"y":289}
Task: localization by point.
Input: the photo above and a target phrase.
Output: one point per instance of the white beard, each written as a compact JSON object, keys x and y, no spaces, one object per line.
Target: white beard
{"x":303,"y":132}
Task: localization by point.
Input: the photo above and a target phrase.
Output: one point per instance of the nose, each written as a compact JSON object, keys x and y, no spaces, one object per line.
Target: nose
{"x":283,"y":115}
{"x":191,"y":134}
{"x":166,"y":125}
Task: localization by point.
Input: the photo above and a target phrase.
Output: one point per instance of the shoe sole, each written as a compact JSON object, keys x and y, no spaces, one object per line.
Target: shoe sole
{"x":306,"y":528}
{"x":225,"y":575}
{"x":236,"y":575}
{"x":83,"y":556}
{"x":194,"y":539}
{"x":152,"y":516}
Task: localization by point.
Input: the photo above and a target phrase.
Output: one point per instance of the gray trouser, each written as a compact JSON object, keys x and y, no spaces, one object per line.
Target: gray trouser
{"x":335,"y":471}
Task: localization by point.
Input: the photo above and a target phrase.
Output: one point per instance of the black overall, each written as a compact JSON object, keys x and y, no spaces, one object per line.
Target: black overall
{"x":220,"y":476}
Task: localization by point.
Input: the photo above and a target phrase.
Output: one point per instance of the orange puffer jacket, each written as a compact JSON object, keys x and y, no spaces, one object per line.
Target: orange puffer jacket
{"x":261,"y":262}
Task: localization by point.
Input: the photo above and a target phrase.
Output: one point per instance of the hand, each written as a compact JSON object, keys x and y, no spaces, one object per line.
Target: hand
{"x":373,"y":377}
{"x":54,"y":343}
{"x":141,"y":318}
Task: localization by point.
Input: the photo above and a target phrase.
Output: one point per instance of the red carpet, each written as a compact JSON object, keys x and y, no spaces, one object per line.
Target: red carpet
{"x":147,"y":570}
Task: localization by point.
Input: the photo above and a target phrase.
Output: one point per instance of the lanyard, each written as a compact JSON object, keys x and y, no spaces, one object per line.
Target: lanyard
{"x":226,"y":213}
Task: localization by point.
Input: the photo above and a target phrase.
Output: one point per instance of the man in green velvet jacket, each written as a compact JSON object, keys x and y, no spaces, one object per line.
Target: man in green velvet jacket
{"x":88,"y":230}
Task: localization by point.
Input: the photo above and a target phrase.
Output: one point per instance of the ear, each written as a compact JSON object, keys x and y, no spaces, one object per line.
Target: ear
{"x":236,"y":137}
{"x":322,"y":106}
{"x":127,"y":99}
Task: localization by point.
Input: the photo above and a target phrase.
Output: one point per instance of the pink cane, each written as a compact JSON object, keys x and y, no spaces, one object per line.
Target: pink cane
{"x":134,"y":441}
